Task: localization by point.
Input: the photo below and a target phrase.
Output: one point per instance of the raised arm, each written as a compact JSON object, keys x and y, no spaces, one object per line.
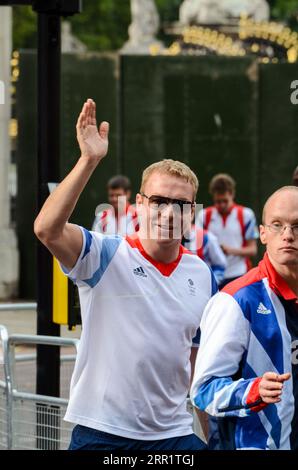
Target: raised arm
{"x":64,"y":240}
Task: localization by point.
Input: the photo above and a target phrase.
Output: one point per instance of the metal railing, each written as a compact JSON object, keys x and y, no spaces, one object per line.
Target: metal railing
{"x":28,"y":420}
{"x":7,"y":307}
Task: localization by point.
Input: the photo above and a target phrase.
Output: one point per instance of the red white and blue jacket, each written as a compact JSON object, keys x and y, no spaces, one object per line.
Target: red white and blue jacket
{"x":249,"y":328}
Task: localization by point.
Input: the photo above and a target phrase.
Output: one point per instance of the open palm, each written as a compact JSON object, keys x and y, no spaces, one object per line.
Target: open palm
{"x":93,"y":141}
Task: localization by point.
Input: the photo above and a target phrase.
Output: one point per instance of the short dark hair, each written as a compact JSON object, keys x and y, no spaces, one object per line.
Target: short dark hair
{"x":119,"y":182}
{"x":222,"y":183}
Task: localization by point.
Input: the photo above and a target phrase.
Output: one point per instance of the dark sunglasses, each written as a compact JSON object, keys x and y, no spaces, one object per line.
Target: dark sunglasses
{"x":161,"y":200}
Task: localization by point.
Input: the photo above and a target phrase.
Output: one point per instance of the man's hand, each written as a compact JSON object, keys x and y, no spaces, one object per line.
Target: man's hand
{"x":228,"y":250}
{"x":249,"y":250}
{"x":93,"y":142}
{"x":271,"y":386}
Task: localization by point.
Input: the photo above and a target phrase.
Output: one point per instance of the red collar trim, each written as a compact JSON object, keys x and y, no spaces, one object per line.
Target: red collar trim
{"x":166,"y":269}
{"x":225,"y":216}
{"x":276,"y":282}
{"x":128,"y":208}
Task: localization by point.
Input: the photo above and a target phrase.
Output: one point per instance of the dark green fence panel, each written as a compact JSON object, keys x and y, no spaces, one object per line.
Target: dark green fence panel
{"x":89,"y":76}
{"x":86,"y":76}
{"x":278,"y":130}
{"x":202,"y":111}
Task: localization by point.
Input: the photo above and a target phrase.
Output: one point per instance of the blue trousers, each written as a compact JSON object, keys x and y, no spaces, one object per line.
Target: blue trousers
{"x":84,"y":438}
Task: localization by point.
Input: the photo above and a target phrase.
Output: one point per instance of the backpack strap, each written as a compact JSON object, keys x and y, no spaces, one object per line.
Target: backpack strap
{"x":240,"y":217}
{"x":208,"y":215}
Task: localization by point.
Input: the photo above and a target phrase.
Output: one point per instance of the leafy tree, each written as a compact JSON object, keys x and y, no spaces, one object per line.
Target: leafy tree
{"x":284,"y":9}
{"x":168,"y":9}
{"x":103,"y":24}
{"x":24,"y":27}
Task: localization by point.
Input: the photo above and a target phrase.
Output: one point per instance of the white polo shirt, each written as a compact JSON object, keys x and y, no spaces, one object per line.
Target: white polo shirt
{"x":139,"y":317}
{"x":233,"y":230}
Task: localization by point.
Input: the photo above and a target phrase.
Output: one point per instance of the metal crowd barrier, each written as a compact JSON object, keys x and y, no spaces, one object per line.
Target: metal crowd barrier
{"x":28,"y":420}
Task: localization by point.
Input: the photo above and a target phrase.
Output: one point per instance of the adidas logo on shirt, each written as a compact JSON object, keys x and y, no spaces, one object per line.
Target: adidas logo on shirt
{"x":139,"y":272}
{"x":263,"y":310}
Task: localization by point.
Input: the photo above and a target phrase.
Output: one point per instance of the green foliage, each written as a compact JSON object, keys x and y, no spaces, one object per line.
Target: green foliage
{"x":24,"y":27}
{"x":103,"y":24}
{"x":168,"y":9}
{"x":285,"y":9}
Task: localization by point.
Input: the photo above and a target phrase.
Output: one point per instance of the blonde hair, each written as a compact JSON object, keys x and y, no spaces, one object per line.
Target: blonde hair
{"x":173,"y":168}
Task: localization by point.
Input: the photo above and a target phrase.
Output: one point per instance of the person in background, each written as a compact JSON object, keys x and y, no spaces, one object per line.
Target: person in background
{"x":295,"y":177}
{"x":121,"y":217}
{"x":233,"y":225}
{"x":206,"y":246}
{"x":246,"y":371}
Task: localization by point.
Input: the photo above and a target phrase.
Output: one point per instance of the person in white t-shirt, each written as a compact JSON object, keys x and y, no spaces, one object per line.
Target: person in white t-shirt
{"x":234,"y":226}
{"x":142,"y":298}
{"x":120,"y":217}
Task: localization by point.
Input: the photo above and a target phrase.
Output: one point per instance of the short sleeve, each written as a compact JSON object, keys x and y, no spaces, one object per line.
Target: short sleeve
{"x":250,"y":225}
{"x":214,"y":285}
{"x":196,"y":339}
{"x":97,"y":252}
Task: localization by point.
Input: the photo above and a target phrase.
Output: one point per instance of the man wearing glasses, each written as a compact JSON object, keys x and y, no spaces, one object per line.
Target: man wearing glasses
{"x":247,"y":365}
{"x":142,"y":298}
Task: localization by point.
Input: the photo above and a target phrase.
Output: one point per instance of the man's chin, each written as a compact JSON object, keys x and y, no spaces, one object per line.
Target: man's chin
{"x":166,"y":237}
{"x":167,"y":240}
{"x":288,"y":259}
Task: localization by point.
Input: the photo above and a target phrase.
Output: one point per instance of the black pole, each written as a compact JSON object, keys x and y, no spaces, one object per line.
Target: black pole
{"x":48,"y":357}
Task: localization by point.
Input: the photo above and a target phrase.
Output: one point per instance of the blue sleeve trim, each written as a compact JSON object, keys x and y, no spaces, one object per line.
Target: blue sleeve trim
{"x":219,"y":272}
{"x":109,"y":247}
{"x":88,"y":238}
{"x":217,"y":267}
{"x":214,"y":285}
{"x":247,"y":225}
{"x":207,"y":390}
{"x":197,"y":338}
{"x":205,"y":239}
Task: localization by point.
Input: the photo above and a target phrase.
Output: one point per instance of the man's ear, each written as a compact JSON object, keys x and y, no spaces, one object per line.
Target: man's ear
{"x":138,"y":199}
{"x":263,"y":236}
{"x":128,"y":194}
